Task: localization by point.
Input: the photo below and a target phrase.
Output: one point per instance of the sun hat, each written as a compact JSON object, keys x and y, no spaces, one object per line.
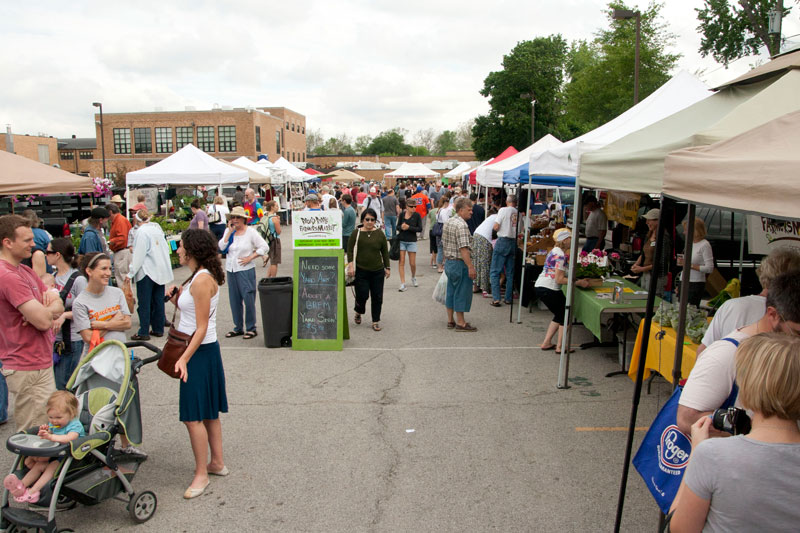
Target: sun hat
{"x":117,"y":199}
{"x":562,"y":234}
{"x":653,"y":214}
{"x":311,"y":198}
{"x":238,"y":211}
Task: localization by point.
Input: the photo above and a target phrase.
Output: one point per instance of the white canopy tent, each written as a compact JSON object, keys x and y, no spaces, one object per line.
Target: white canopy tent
{"x":293,"y":174}
{"x":458,"y":172}
{"x":412,"y":170}
{"x":187,"y":166}
{"x":258,"y":173}
{"x":514,"y":169}
{"x":681,"y":91}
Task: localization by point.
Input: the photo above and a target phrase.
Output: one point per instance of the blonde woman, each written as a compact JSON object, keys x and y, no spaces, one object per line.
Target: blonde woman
{"x":702,"y":262}
{"x":218,"y":211}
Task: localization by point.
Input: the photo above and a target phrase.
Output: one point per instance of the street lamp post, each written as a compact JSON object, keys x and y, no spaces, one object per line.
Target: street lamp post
{"x":530,"y":95}
{"x":102,"y":137}
{"x":625,"y":14}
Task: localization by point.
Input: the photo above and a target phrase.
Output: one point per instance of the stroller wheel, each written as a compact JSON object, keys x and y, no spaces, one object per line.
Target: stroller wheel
{"x":143,"y":506}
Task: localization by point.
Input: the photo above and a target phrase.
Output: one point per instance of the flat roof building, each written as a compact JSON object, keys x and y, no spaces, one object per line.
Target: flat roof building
{"x":135,"y":140}
{"x":75,"y":154}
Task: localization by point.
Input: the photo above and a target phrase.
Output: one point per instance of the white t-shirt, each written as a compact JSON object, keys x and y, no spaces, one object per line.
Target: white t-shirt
{"x":326,"y":200}
{"x":711,"y":380}
{"x":376,"y":204}
{"x":444,"y":214}
{"x":223,"y":211}
{"x":507,"y":218}
{"x":701,"y":255}
{"x":486,"y":227}
{"x":596,"y":223}
{"x":733,"y":315}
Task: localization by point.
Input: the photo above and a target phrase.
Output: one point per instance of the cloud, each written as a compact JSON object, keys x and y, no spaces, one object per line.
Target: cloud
{"x":358,"y":66}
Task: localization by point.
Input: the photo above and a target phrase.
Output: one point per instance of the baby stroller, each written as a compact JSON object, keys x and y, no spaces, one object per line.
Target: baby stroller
{"x":92,"y":470}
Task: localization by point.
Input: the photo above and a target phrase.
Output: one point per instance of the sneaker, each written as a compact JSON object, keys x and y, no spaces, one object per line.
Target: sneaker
{"x":414,"y":282}
{"x":402,"y":288}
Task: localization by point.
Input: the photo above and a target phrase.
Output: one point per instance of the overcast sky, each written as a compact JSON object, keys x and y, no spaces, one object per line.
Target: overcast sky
{"x":354,"y":66}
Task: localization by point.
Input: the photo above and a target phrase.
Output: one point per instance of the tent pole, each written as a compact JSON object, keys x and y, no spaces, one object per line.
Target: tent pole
{"x":684,"y":299}
{"x":127,"y":200}
{"x":741,"y":243}
{"x":524,"y":255}
{"x":637,"y":389}
{"x":566,"y":337}
{"x":516,"y":232}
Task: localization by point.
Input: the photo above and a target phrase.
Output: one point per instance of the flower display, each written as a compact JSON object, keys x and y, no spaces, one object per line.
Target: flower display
{"x":101,"y":186}
{"x":592,"y":265}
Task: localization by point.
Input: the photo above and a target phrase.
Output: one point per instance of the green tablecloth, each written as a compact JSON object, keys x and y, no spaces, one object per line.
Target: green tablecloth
{"x":588,"y":308}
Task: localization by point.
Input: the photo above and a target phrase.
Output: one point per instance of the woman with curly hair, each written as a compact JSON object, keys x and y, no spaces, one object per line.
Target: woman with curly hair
{"x":202,"y":378}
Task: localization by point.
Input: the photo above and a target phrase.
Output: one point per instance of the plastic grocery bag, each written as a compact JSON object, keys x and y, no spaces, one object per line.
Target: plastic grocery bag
{"x":440,"y":291}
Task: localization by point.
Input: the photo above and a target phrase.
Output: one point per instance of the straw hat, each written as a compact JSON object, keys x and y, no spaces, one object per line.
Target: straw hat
{"x":117,"y":199}
{"x":238,"y":211}
{"x":562,"y":234}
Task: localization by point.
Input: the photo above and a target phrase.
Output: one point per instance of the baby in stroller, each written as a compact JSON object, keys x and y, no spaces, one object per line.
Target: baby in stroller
{"x":64,"y":426}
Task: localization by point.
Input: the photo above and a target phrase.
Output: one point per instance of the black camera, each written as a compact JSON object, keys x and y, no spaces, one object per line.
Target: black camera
{"x":732,"y":420}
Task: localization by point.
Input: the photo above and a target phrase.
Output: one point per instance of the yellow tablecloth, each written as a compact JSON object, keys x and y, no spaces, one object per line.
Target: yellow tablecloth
{"x":661,"y":353}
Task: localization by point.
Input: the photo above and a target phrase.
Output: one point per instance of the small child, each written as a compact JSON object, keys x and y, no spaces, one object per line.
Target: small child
{"x":49,"y":281}
{"x":64,"y":426}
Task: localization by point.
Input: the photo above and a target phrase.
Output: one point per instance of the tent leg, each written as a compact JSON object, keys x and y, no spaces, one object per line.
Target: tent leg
{"x":741,"y":244}
{"x":127,"y":201}
{"x":563,"y":365}
{"x":684,"y":299}
{"x":637,"y":389}
{"x":516,"y":232}
{"x":524,"y":257}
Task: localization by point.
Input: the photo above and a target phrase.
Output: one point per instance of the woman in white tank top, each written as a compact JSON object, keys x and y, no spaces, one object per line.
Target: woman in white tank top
{"x":202,"y":377}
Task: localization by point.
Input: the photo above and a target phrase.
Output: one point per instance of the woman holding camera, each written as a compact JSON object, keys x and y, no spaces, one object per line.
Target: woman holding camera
{"x":749,"y":482}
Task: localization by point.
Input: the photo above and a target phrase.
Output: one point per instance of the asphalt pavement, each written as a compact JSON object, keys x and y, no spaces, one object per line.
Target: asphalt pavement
{"x":413,"y":428}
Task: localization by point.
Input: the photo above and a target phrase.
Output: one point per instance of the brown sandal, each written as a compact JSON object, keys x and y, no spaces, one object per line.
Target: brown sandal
{"x":357,"y":319}
{"x":376,"y":326}
{"x":466,"y":327}
{"x":451,"y":325}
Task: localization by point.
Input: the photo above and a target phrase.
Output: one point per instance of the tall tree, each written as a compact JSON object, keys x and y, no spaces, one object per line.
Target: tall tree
{"x":391,"y":142}
{"x":314,"y":140}
{"x":445,"y":141}
{"x":362,"y":143}
{"x":730,"y":31}
{"x":464,"y":137}
{"x":533,"y":67}
{"x":427,"y":138}
{"x":602,"y":72}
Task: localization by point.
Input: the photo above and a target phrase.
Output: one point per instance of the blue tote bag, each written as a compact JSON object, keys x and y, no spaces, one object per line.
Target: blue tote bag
{"x":665,"y":450}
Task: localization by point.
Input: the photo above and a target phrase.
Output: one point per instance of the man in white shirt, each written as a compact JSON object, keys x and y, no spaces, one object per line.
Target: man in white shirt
{"x":374,"y":201}
{"x":505,"y":250}
{"x":745,"y":310}
{"x":327,"y":197}
{"x":596,"y":226}
{"x":712,"y":379}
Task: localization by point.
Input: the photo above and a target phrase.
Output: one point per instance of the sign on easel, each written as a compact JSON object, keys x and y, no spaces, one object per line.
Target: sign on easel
{"x":317,"y":229}
{"x":319,"y":321}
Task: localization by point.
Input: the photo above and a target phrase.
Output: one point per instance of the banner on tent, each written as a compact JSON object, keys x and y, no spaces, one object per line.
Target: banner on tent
{"x":765,"y":234}
{"x":150,"y":198}
{"x":623,"y":207}
{"x":317,"y":229}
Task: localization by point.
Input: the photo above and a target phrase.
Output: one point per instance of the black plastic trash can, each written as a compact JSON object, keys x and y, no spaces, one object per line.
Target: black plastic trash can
{"x":275,"y":295}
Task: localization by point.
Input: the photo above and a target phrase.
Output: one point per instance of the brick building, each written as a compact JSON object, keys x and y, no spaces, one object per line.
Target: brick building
{"x":136,"y":140}
{"x":41,"y":148}
{"x":76,"y":154}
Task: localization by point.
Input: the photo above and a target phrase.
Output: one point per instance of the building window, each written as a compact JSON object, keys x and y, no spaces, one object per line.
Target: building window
{"x":86,"y":155}
{"x":304,"y":157}
{"x":277,"y":141}
{"x":227,"y":138}
{"x":304,"y":130}
{"x":205,"y":138}
{"x":67,"y":156}
{"x":287,"y":125}
{"x":111,"y":175}
{"x":122,"y":141}
{"x":163,"y":140}
{"x":258,"y":138}
{"x":142,"y":142}
{"x":292,"y":126}
{"x":185,"y":135}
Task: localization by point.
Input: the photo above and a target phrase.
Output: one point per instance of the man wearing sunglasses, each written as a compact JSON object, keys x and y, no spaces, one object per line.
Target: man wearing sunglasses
{"x":713,"y":377}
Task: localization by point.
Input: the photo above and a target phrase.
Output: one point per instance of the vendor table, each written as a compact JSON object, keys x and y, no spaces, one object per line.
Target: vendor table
{"x":590,"y":305}
{"x":661,"y":352}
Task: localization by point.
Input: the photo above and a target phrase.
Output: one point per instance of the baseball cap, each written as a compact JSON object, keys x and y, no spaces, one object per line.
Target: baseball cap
{"x":311,"y":197}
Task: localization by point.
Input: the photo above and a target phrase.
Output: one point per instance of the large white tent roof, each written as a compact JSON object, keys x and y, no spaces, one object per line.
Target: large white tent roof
{"x":258,"y":173}
{"x":412,"y":170}
{"x":681,"y":91}
{"x":293,"y":173}
{"x":509,"y":169}
{"x":458,"y":171}
{"x":187,"y":166}
{"x":636,"y":162}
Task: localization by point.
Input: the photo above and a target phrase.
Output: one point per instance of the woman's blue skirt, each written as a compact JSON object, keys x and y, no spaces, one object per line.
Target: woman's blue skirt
{"x":203,"y":396}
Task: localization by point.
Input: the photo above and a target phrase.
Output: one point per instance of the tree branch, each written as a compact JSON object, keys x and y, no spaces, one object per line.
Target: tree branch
{"x":758,"y":27}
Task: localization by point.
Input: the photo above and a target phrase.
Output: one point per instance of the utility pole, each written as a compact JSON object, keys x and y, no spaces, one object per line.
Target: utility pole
{"x":530,"y":95}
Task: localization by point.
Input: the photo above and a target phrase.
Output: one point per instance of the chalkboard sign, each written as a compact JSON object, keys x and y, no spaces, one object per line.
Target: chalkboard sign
{"x":318,"y":300}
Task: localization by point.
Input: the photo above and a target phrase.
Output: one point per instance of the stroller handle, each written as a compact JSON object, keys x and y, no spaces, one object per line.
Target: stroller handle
{"x":144,"y":344}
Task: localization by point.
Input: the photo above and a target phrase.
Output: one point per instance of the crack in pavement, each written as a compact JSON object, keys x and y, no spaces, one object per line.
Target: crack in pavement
{"x":388,"y":477}
{"x":333,"y":376}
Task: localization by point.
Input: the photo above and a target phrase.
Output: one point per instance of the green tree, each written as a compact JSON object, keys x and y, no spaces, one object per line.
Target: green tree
{"x":391,"y":142}
{"x":590,"y":99}
{"x":534,"y":67}
{"x":730,"y":32}
{"x":362,"y":142}
{"x":445,"y":141}
{"x":314,"y":140}
{"x":464,"y":137}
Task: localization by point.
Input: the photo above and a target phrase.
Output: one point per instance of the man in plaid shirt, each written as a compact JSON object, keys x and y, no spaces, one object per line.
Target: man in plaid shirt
{"x":457,"y":247}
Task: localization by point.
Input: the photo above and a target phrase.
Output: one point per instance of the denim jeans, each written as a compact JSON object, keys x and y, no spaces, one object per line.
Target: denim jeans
{"x":503,"y":258}
{"x":589,"y":245}
{"x":439,"y":251}
{"x":66,"y":365}
{"x":242,"y":292}
{"x":151,"y":306}
{"x":391,"y":224}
